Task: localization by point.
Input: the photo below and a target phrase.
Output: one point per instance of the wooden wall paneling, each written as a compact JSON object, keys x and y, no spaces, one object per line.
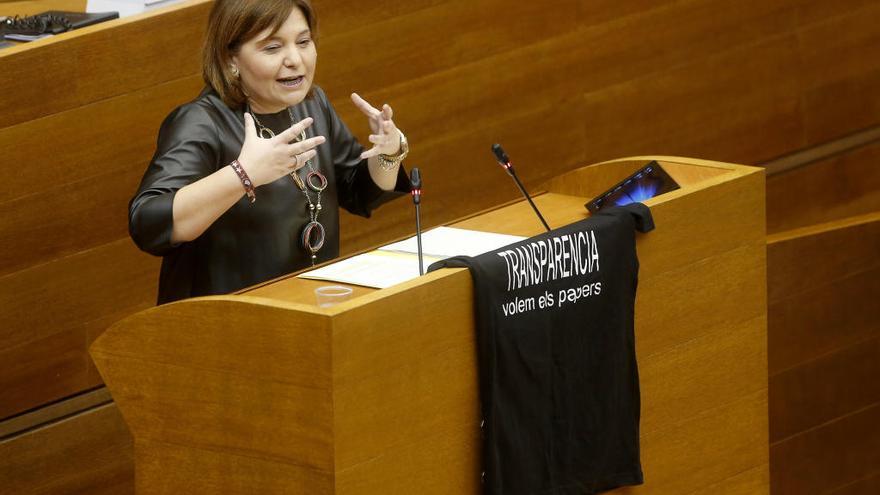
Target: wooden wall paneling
{"x":588,"y":51}
{"x":828,"y":116}
{"x":717,"y":115}
{"x":827,"y":457}
{"x":18,"y":7}
{"x":89,"y":453}
{"x":701,"y":29}
{"x":74,"y":297}
{"x":49,"y":225}
{"x":819,"y":391}
{"x":90,"y":140}
{"x":675,"y":34}
{"x":101,"y":61}
{"x":868,"y":485}
{"x":822,"y":283}
{"x":816,"y":12}
{"x":838,"y":187}
{"x":54,"y":412}
{"x":47,"y":341}
{"x":807,"y":258}
{"x":43,"y":370}
{"x":834,"y":47}
{"x":822,"y":333}
{"x":817,"y":322}
{"x":834,"y":64}
{"x":467,"y":99}
{"x":71,"y":195}
{"x":449,"y":35}
{"x":337,"y":16}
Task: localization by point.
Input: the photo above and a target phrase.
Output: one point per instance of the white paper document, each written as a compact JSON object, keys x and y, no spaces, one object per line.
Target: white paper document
{"x":445,"y":242}
{"x":379,"y":269}
{"x":399,"y":262}
{"x":126,"y":7}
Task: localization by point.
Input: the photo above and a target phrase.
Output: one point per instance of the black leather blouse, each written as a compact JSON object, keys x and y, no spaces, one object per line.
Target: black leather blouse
{"x":251,"y":242}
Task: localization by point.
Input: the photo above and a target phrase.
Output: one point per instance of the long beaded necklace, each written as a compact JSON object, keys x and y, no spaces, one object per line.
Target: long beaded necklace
{"x":313,"y":233}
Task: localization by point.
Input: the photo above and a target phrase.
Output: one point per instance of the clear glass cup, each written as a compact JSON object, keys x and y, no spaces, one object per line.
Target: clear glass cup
{"x":328,"y":295}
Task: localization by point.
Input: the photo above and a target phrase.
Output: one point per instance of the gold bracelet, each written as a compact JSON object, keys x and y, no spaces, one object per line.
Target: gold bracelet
{"x":389,"y":163}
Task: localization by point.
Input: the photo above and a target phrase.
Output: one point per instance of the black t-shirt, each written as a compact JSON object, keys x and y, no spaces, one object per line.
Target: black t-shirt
{"x":559,"y":387}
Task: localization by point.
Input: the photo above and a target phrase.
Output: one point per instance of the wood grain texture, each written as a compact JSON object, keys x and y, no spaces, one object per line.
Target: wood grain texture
{"x":832,"y":64}
{"x":868,"y":485}
{"x":260,"y":421}
{"x":745,"y":483}
{"x":793,"y":253}
{"x":839,"y":187}
{"x":706,"y":450}
{"x":51,"y":313}
{"x":821,"y":295}
{"x":819,"y":391}
{"x":402,"y":378}
{"x":167,"y":468}
{"x":822,"y":332}
{"x":31,"y":7}
{"x":43,"y":370}
{"x":90,"y":453}
{"x":840,"y":452}
{"x":101,"y":61}
{"x":42,"y":416}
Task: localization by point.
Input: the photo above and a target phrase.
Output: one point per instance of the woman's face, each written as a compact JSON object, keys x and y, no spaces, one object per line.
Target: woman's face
{"x":276,"y":71}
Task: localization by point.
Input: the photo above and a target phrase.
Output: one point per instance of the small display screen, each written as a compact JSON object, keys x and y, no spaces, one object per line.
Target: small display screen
{"x":645,"y":183}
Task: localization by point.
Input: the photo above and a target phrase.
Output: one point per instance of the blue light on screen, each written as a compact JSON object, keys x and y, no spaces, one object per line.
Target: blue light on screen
{"x":639,"y":193}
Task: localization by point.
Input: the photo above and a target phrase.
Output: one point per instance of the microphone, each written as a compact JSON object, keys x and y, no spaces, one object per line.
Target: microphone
{"x":415,"y":180}
{"x":504,"y":161}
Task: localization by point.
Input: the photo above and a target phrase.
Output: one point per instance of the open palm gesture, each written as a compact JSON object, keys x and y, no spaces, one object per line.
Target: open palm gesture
{"x":385,"y":135}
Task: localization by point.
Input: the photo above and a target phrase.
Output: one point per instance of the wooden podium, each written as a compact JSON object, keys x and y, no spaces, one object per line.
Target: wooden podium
{"x":264,"y":392}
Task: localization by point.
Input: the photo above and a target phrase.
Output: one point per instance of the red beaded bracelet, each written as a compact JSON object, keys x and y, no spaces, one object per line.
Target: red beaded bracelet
{"x":245,"y":180}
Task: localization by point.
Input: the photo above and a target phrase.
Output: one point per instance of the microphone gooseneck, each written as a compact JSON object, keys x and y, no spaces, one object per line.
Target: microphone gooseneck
{"x":504,"y":161}
{"x":415,"y":180}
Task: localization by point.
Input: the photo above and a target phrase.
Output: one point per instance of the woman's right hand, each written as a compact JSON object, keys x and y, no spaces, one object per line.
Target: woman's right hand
{"x":265,"y":160}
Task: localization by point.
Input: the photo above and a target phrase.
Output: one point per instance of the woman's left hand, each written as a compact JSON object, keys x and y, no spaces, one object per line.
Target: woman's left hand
{"x":385,"y":136}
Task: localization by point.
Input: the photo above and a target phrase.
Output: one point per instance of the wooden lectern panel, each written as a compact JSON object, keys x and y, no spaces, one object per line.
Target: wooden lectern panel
{"x":264,"y":392}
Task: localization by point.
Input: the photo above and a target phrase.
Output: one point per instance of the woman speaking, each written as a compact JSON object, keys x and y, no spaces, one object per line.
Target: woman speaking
{"x":247,"y":179}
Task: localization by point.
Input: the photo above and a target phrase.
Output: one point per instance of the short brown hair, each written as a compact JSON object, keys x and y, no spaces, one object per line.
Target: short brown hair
{"x":231,"y":24}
